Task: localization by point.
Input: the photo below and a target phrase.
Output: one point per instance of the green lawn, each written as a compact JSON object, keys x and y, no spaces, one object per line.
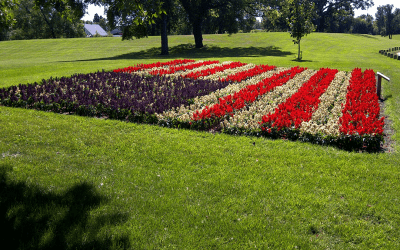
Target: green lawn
{"x":70,"y":182}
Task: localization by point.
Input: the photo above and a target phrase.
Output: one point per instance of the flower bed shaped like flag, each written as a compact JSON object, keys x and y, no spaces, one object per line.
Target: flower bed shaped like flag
{"x":325,"y":106}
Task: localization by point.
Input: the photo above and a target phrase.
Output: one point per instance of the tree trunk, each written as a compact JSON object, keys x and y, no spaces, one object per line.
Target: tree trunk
{"x":164,"y":35}
{"x":153,"y":29}
{"x":299,"y":55}
{"x":198,"y":37}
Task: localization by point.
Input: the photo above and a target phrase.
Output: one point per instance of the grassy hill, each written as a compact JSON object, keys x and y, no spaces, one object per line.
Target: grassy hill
{"x":78,"y":182}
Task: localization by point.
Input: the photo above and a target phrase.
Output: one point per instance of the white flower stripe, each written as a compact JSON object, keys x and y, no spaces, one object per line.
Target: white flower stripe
{"x":227,"y":72}
{"x":183,"y":73}
{"x":184,"y":113}
{"x":325,"y":121}
{"x":236,"y":87}
{"x":249,"y":118}
{"x":147,"y":71}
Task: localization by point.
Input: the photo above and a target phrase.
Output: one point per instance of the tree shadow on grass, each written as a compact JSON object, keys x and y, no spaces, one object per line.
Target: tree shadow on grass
{"x":365,"y":35}
{"x":208,"y":51}
{"x":386,"y":97}
{"x":300,"y":61}
{"x":31,"y":218}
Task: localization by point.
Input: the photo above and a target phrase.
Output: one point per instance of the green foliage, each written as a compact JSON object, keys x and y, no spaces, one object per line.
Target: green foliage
{"x":300,"y":13}
{"x":133,"y":16}
{"x":7,"y":16}
{"x":274,"y":17}
{"x":363,"y":25}
{"x":100,"y":20}
{"x":103,"y":23}
{"x":68,"y":9}
{"x":380,"y":20}
{"x":219,"y":16}
{"x":299,"y":16}
{"x":44,"y":21}
{"x":330,"y":14}
{"x":387,"y":20}
{"x":97,"y":35}
{"x":96,"y":18}
{"x":339,"y":20}
{"x":389,"y":17}
{"x":230,"y":17}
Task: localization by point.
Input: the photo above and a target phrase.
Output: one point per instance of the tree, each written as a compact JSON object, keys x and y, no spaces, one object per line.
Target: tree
{"x":274,"y":18}
{"x":6,"y":17}
{"x":197,"y":10}
{"x":339,"y":21}
{"x":103,"y":23}
{"x":135,"y":17}
{"x":380,"y":20}
{"x":236,"y":15}
{"x":37,"y":22}
{"x":96,"y":18}
{"x":230,"y":14}
{"x":69,"y":10}
{"x":329,"y":9}
{"x":300,"y":14}
{"x":166,"y":5}
{"x":100,"y":20}
{"x":387,"y":20}
{"x":396,"y":21}
{"x":389,"y":16}
{"x":363,"y":25}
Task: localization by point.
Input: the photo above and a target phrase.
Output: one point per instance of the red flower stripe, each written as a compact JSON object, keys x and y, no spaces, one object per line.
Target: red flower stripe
{"x":138,"y":67}
{"x":300,"y":106}
{"x":207,"y":72}
{"x":246,"y":95}
{"x":173,"y":69}
{"x":239,"y":76}
{"x":361,"y":111}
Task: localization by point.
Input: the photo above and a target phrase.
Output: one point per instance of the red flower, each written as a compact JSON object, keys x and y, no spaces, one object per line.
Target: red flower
{"x":246,"y":95}
{"x":172,"y":70}
{"x":138,"y":67}
{"x":361,"y":111}
{"x":300,"y":106}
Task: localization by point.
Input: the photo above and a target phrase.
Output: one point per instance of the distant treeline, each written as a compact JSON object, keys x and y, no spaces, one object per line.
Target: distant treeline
{"x":35,"y":19}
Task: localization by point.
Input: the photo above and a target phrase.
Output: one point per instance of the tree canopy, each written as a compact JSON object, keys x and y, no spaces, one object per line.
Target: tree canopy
{"x":363,"y":25}
{"x":387,"y":20}
{"x":6,"y":16}
{"x":133,"y":16}
{"x":27,"y":19}
{"x":36,"y":19}
{"x":331,"y":10}
{"x":226,"y":15}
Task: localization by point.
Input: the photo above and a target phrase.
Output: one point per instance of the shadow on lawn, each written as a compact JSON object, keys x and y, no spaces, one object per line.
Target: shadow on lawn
{"x":386,"y":97}
{"x":31,"y":218}
{"x":208,"y":51}
{"x":366,"y":36}
{"x":300,"y":61}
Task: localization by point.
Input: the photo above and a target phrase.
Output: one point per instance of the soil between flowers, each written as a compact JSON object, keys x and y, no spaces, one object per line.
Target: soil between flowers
{"x":388,"y":145}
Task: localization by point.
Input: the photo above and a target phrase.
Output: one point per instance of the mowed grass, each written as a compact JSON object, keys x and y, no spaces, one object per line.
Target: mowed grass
{"x":86,"y":183}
